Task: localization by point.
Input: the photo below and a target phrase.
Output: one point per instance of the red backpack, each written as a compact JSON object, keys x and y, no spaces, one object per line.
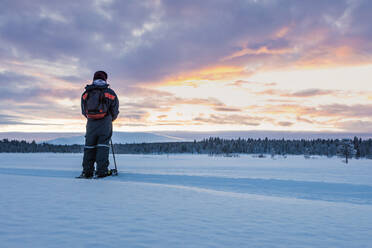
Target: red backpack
{"x":95,"y":104}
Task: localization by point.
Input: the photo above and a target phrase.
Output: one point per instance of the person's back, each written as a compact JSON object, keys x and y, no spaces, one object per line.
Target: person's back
{"x":100,"y":105}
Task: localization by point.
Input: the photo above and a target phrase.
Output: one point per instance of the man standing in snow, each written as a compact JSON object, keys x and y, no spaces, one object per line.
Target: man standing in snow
{"x":100,"y":105}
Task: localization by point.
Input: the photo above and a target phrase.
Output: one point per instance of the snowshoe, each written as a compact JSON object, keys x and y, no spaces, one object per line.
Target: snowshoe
{"x":113,"y":172}
{"x":99,"y":176}
{"x":84,"y":175}
{"x":110,"y":172}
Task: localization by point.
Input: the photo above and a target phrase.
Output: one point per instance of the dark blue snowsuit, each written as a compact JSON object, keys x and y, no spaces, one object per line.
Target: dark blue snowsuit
{"x":99,"y":132}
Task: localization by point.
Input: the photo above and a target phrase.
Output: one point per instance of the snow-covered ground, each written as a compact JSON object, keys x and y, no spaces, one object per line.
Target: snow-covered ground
{"x":186,"y":201}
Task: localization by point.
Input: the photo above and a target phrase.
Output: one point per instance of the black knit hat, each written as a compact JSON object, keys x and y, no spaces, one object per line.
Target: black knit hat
{"x":100,"y":75}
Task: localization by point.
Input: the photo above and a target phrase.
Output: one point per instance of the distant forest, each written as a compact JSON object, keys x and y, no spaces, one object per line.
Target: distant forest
{"x":348,"y":148}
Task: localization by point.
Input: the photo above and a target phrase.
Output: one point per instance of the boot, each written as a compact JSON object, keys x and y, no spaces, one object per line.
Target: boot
{"x":85,"y":175}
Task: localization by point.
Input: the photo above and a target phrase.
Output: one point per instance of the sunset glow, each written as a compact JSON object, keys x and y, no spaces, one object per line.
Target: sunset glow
{"x":180,"y":65}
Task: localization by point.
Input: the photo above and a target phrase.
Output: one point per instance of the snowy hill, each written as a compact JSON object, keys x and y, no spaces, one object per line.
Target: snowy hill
{"x":119,"y":137}
{"x":169,"y":136}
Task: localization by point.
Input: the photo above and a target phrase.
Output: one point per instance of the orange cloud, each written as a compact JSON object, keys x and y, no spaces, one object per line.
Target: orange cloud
{"x":230,"y":119}
{"x":227,"y":109}
{"x":301,"y":93}
{"x":282,"y":32}
{"x":285,"y":123}
{"x":340,"y":111}
{"x":343,"y":51}
{"x":284,"y":109}
{"x":206,"y":74}
{"x":330,"y":55}
{"x":240,"y":83}
{"x":259,"y":51}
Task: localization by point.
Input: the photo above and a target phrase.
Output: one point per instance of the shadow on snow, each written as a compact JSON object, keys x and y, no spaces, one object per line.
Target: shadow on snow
{"x":324,"y":191}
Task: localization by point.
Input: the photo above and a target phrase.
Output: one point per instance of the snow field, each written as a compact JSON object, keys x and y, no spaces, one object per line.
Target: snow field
{"x":185,"y":201}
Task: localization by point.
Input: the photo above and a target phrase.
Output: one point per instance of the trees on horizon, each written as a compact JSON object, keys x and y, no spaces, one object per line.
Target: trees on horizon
{"x":347,"y":148}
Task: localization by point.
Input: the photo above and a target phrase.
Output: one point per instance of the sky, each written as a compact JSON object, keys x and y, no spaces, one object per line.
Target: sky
{"x":189,"y":65}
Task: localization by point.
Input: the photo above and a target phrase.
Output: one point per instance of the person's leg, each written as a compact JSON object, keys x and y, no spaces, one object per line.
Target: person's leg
{"x":103,"y":149}
{"x":89,"y":154}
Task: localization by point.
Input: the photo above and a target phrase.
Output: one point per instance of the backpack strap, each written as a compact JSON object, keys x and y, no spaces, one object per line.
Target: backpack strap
{"x":85,"y":95}
{"x":109,"y":96}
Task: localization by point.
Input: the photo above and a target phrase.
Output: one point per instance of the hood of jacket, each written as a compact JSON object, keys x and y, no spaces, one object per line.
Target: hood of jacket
{"x":97,"y":84}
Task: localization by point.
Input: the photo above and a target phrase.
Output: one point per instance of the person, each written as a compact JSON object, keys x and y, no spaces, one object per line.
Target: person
{"x":100,"y":105}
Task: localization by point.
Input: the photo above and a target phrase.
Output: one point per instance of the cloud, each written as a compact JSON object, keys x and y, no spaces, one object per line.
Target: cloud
{"x":314,"y":115}
{"x":134,"y":115}
{"x":285,"y":123}
{"x":301,"y":119}
{"x":137,"y":91}
{"x":240,"y":83}
{"x":151,"y":40}
{"x":50,"y":49}
{"x":10,"y":78}
{"x":34,"y":100}
{"x":343,"y":110}
{"x":21,"y":87}
{"x":355,"y":126}
{"x":259,"y":51}
{"x":166,"y":102}
{"x":325,"y":110}
{"x":228,"y":109}
{"x":213,"y":102}
{"x":9,"y":120}
{"x":229,"y":119}
{"x":300,"y":94}
{"x":312,"y":92}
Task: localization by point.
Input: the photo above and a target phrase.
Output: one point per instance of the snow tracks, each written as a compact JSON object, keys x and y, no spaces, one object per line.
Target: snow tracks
{"x":309,"y":190}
